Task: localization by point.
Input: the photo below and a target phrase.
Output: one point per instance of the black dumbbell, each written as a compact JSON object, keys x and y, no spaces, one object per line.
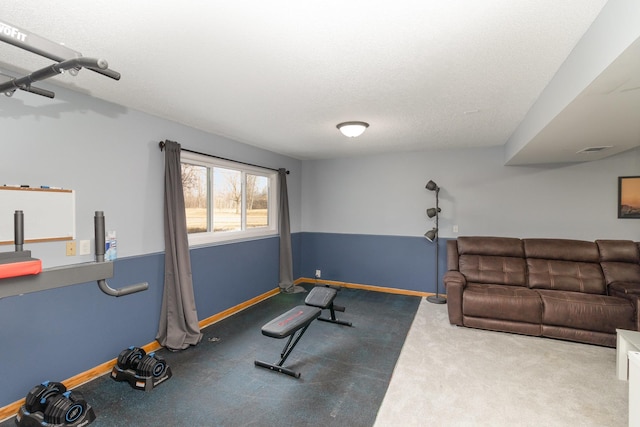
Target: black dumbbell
{"x":151,"y":365}
{"x":130,"y":358}
{"x":38,"y":397}
{"x":65,"y":408}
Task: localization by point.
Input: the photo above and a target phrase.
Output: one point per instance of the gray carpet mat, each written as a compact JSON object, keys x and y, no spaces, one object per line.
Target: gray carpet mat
{"x":345,"y":371}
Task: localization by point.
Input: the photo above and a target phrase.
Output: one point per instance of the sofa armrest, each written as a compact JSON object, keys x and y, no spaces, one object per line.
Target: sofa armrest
{"x":630,"y":291}
{"x":454,"y":282}
{"x":452,"y":255}
{"x":624,"y":289}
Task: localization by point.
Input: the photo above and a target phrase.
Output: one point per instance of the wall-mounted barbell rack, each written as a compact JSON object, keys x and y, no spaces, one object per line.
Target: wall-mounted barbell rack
{"x":66,"y":60}
{"x":57,"y":277}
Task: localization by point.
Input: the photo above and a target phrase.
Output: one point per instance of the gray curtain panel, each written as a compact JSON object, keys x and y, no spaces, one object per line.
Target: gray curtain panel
{"x":286,"y":259}
{"x":178,"y":327}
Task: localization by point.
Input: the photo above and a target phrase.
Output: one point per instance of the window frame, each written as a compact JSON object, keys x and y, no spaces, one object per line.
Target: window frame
{"x":211,"y":237}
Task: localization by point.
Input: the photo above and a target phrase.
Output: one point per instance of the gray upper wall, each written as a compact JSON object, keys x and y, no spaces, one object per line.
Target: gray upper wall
{"x":110,"y":156}
{"x":386,"y":195}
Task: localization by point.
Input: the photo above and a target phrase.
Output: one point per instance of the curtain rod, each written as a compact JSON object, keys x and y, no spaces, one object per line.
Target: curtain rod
{"x":162,"y":144}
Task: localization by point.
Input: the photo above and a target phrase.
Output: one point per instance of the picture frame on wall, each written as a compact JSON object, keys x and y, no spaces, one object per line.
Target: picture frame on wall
{"x":629,"y":197}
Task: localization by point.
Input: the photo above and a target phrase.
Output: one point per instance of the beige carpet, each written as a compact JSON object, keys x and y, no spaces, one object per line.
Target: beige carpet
{"x":452,"y":376}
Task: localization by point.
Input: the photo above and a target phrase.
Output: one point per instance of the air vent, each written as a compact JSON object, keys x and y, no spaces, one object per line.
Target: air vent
{"x":594,"y":149}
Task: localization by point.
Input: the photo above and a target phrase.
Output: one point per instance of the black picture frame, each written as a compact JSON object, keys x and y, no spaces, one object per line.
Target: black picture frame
{"x":629,"y":197}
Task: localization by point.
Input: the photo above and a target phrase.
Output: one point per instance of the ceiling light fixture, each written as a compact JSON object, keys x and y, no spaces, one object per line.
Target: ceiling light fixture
{"x":352,"y":129}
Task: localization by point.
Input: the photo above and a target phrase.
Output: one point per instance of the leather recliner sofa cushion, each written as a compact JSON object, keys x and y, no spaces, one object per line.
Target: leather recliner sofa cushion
{"x":492,"y":260}
{"x":620,"y":261}
{"x":493,"y":246}
{"x":514,"y":303}
{"x":561,"y":249}
{"x":619,"y":250}
{"x":586,"y":311}
{"x":564,"y":265}
{"x":624,"y":288}
{"x":566,"y":276}
{"x":494,"y":270}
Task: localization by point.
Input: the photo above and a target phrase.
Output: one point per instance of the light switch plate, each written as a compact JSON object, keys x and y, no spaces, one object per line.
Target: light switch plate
{"x":85,"y":247}
{"x":71,"y":248}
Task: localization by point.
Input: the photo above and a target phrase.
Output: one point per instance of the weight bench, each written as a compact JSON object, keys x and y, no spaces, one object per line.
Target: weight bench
{"x":292,"y":324}
{"x":322,"y":297}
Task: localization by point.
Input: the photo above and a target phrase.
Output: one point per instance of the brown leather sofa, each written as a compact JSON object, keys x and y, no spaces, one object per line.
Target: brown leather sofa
{"x":567,"y":289}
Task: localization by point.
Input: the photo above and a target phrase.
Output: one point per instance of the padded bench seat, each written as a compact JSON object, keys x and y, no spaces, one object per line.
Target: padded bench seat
{"x":289,"y":322}
{"x":20,"y":267}
{"x":292,"y":324}
{"x":295,"y":322}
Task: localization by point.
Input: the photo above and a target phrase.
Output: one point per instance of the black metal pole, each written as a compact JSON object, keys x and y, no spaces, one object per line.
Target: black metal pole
{"x":98,"y":65}
{"x":98,"y":221}
{"x":437,"y":299}
{"x":18,"y":230}
{"x":162,"y":144}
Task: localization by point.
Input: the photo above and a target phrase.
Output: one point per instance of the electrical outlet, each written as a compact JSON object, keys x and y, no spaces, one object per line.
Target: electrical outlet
{"x":71,"y":248}
{"x":318,"y":274}
{"x":85,"y":247}
{"x":455,"y":228}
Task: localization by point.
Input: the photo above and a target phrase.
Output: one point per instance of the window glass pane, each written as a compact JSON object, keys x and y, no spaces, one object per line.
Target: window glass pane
{"x":227,"y":199}
{"x":225,"y":196}
{"x":194,"y":185}
{"x":257,"y":201}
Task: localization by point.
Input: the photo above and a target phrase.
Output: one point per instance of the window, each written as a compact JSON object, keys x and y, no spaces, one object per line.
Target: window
{"x":226,"y":201}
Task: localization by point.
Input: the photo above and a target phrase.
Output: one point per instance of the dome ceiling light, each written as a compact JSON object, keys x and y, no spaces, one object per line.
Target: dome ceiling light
{"x":352,"y":129}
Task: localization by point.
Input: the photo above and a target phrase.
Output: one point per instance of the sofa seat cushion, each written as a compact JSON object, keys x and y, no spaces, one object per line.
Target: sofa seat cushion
{"x":514,"y":303}
{"x":591,"y":312}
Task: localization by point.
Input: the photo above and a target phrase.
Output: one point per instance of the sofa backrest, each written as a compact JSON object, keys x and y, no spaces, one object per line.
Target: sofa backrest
{"x":563,"y":264}
{"x":492,"y":260}
{"x":620,"y":260}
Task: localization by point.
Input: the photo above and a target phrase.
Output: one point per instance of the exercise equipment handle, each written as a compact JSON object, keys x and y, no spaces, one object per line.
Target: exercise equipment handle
{"x":98,"y":65}
{"x":98,"y":221}
{"x":18,"y":230}
{"x":131,"y":289}
{"x":98,"y":227}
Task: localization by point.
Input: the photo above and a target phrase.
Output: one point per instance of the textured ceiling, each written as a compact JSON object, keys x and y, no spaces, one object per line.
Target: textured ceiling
{"x":281,"y":74}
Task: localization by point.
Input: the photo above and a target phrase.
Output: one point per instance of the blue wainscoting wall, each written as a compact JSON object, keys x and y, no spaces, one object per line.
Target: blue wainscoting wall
{"x":59,"y":333}
{"x":227,"y":275}
{"x":402,"y":262}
